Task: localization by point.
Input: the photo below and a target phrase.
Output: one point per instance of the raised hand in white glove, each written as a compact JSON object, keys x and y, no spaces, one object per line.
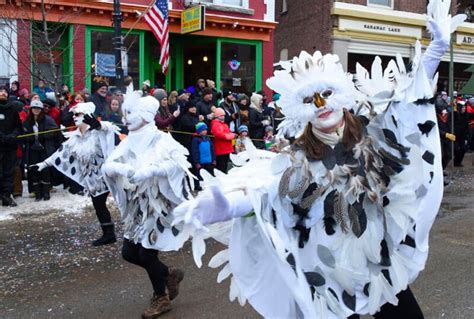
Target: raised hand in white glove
{"x":146,"y":173}
{"x":212,"y":206}
{"x":114,"y":169}
{"x":39,"y":166}
{"x":439,"y":21}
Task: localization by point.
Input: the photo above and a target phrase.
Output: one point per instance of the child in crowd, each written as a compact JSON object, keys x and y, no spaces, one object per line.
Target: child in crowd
{"x":243,"y":136}
{"x":269,"y":138}
{"x":203,"y":154}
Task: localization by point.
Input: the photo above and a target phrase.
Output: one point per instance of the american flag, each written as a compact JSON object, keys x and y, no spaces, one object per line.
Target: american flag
{"x":157,"y":20}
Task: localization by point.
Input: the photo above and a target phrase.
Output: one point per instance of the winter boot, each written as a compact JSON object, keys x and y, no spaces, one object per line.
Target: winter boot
{"x":46,"y":187}
{"x":7,"y":200}
{"x":108,"y":236}
{"x":38,"y":194}
{"x":175,"y":276}
{"x":159,"y":305}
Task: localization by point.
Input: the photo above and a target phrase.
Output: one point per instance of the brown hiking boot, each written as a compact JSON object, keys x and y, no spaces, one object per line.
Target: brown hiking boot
{"x":175,"y":276}
{"x":158,"y":306}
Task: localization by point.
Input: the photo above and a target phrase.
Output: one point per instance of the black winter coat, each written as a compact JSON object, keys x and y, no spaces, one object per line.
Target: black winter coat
{"x":10,"y":127}
{"x":186,"y":123}
{"x":47,"y":140}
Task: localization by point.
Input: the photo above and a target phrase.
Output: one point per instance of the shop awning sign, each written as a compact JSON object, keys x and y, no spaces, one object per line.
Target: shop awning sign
{"x":193,"y":19}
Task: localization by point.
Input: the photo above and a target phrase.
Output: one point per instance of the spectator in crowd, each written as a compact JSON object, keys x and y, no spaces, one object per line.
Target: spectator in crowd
{"x":14,"y":92}
{"x":87,"y":93}
{"x":269,"y":139}
{"x":164,"y":119}
{"x":231,"y":110}
{"x":277,"y":116}
{"x":186,"y":123}
{"x":38,"y":148}
{"x":24,"y":96}
{"x":470,"y":115}
{"x":258,"y":121}
{"x":118,"y":94}
{"x":42,"y":89}
{"x":146,"y":87}
{"x":173,"y":101}
{"x":222,"y":140}
{"x":205,"y":106}
{"x":65,"y":92}
{"x":99,"y":98}
{"x":242,"y":138}
{"x":200,"y":86}
{"x":243,"y":103}
{"x":10,"y":128}
{"x":444,"y":126}
{"x":18,"y":174}
{"x":113,"y":112}
{"x":183,"y":97}
{"x":215,"y":95}
{"x":52,"y":110}
{"x":202,"y":153}
{"x":461,"y":130}
{"x":66,"y":113}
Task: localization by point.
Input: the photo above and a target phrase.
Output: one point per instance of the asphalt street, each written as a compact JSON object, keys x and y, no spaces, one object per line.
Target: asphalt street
{"x":48,"y":269}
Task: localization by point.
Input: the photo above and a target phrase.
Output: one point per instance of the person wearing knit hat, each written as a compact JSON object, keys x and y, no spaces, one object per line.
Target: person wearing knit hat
{"x":243,"y":128}
{"x":242,"y":139}
{"x":81,"y":157}
{"x":99,"y":98}
{"x":160,"y":94}
{"x":146,"y":87}
{"x":223,"y":138}
{"x":150,"y":168}
{"x":164,"y":119}
{"x":203,"y":155}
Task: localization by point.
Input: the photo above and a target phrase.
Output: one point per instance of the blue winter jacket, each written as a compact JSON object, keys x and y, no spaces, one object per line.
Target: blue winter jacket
{"x":202,"y":150}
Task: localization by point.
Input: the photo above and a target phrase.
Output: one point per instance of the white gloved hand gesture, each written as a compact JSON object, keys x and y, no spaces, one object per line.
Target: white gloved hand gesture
{"x":114,"y":169}
{"x":39,"y":166}
{"x":439,"y":21}
{"x":145,"y":173}
{"x":209,"y":207}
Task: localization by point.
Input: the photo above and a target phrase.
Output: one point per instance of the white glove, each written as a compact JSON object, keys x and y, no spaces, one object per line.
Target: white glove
{"x":145,"y":173}
{"x":39,"y":166}
{"x":212,"y":206}
{"x":114,"y":169}
{"x":265,"y":122}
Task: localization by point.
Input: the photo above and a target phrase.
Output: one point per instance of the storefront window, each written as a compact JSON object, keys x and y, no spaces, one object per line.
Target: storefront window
{"x":103,"y":57}
{"x":385,"y":3}
{"x":238,"y":67}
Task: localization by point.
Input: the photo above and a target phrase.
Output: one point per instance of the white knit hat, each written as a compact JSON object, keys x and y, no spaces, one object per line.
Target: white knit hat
{"x":85,"y":108}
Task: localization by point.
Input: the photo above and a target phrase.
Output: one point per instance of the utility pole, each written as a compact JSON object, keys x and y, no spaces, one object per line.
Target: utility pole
{"x":451,"y":90}
{"x":117,"y":43}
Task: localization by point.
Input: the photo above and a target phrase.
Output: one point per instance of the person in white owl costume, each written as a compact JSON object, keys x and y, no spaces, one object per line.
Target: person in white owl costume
{"x":146,"y":174}
{"x":337,"y":225}
{"x":81,"y":158}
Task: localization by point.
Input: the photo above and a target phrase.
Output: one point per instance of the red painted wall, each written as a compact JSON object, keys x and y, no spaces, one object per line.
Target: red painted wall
{"x":23,"y":39}
{"x":267,"y":65}
{"x":79,"y":44}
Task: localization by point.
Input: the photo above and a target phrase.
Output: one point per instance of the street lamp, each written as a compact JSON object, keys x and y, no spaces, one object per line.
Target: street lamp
{"x":117,"y":43}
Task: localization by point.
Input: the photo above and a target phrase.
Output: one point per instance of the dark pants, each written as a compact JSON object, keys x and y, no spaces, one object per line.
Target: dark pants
{"x":7,"y":168}
{"x":207,"y":167}
{"x":460,"y":148}
{"x":148,"y":259}
{"x":103,"y":214}
{"x":222,"y":162}
{"x":407,"y":308}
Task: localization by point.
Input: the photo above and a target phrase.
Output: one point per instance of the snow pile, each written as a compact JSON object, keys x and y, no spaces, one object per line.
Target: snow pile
{"x":61,"y":202}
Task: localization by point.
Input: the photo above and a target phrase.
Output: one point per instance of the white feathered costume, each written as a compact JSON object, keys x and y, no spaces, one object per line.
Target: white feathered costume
{"x":347,"y":233}
{"x":146,"y":174}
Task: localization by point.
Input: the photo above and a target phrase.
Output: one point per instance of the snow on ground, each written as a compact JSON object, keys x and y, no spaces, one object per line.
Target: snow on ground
{"x":61,"y":201}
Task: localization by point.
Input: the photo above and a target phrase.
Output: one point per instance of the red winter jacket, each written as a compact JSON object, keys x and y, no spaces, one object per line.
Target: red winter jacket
{"x":222,"y":138}
{"x":55,"y":115}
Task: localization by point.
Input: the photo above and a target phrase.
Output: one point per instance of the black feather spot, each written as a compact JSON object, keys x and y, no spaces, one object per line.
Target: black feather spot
{"x":431,"y":176}
{"x":389,"y":135}
{"x":159,"y":225}
{"x":426,"y":127}
{"x":175,"y":231}
{"x":384,"y":253}
{"x":73,"y":171}
{"x":364,"y":120}
{"x":425,"y":100}
{"x":333,"y":293}
{"x":349,"y":300}
{"x":386,"y":274}
{"x":291,"y":260}
{"x":309,"y":191}
{"x":315,"y":279}
{"x":329,"y":220}
{"x":71,"y":159}
{"x":366,"y":289}
{"x":428,"y":157}
{"x":343,"y":156}
{"x":57,"y":161}
{"x":394,"y":121}
{"x":386,"y":201}
{"x":409,"y":241}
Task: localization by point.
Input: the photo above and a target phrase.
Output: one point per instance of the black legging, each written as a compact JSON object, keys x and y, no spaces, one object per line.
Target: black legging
{"x":407,"y":308}
{"x":103,"y":214}
{"x":148,"y":259}
{"x":222,"y":162}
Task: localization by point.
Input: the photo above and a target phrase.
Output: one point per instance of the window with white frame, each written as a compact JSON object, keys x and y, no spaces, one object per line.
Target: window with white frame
{"x":381,"y":3}
{"x":232,"y":3}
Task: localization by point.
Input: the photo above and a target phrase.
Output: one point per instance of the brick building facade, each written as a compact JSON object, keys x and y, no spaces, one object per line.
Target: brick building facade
{"x":357,"y":30}
{"x":234,"y":30}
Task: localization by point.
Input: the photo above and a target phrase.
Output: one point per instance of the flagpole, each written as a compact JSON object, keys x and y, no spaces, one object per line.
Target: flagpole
{"x":117,"y":42}
{"x":140,"y":16}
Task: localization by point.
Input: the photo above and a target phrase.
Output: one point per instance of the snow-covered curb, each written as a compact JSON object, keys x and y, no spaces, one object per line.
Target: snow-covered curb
{"x":61,"y":200}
